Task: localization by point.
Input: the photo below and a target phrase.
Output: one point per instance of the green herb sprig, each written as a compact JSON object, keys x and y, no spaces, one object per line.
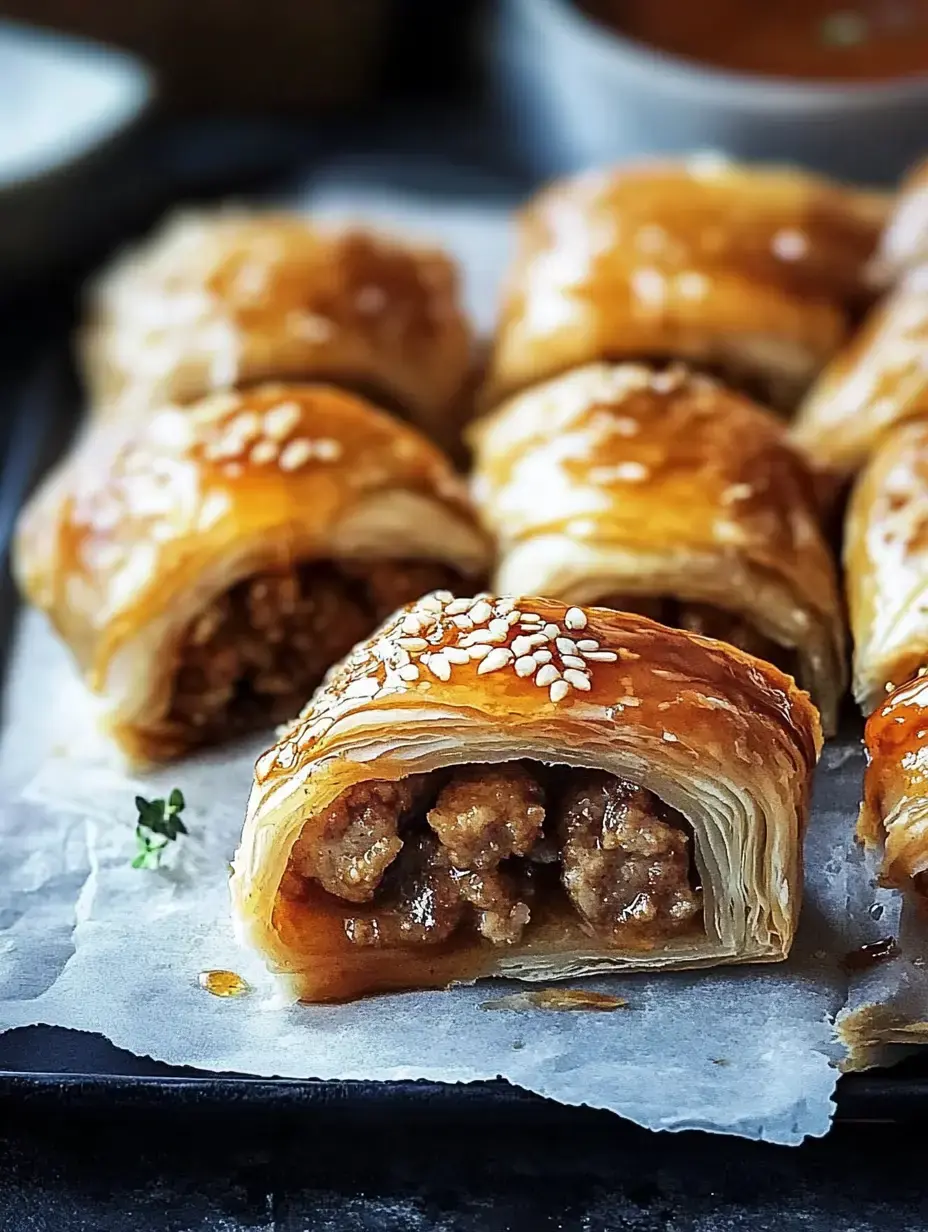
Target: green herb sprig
{"x":158,"y":824}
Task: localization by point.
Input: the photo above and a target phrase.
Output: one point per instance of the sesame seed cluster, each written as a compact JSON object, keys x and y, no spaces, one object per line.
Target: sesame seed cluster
{"x":436,"y":638}
{"x":265,"y":438}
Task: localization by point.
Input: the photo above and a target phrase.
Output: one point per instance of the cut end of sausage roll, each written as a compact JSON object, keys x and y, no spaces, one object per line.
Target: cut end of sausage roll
{"x":877,"y":381}
{"x":208,"y":566}
{"x":503,"y":786}
{"x":665,"y":493}
{"x":895,"y":805}
{"x":886,"y":565}
{"x":755,"y":272}
{"x":219,"y":300}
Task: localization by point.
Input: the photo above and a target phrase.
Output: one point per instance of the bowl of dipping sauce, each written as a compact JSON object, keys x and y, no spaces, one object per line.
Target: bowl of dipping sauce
{"x":840,"y":87}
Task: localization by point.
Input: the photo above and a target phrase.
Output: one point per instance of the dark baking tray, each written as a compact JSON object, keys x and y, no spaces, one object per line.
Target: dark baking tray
{"x":40,"y":1064}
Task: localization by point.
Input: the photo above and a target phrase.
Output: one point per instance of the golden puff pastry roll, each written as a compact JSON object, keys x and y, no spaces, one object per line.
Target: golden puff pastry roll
{"x":879,"y":379}
{"x":665,"y":493}
{"x":219,"y":300}
{"x":886,"y":564}
{"x":208,"y":565}
{"x":895,"y":805}
{"x":757,"y":272}
{"x":514,"y":787}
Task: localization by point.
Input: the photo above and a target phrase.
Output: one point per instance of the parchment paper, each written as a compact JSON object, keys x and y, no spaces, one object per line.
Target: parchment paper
{"x":87,"y":942}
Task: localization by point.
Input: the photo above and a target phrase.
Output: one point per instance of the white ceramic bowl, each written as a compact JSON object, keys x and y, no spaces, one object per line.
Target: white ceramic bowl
{"x":62,"y":103}
{"x":579,"y":94}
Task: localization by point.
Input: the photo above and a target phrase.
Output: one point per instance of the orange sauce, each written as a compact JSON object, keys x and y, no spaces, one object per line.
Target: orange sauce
{"x":870,"y":40}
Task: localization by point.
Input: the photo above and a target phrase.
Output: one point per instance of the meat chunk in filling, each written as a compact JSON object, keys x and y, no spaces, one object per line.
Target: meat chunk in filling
{"x":485,"y":814}
{"x":420,"y":903}
{"x":358,"y":838}
{"x":625,"y":858}
{"x":705,"y":619}
{"x":254,"y":656}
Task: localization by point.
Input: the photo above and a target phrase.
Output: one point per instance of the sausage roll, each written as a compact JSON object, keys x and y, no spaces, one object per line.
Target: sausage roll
{"x":215,"y":301}
{"x":512,"y":787}
{"x":207,"y":565}
{"x":756,"y":272}
{"x":895,"y":806}
{"x":886,"y":565}
{"x":877,"y":380}
{"x":665,"y":493}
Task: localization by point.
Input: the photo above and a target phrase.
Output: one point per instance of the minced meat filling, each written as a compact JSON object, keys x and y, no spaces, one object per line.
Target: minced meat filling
{"x":709,"y":621}
{"x":254,"y":656}
{"x":430,"y":853}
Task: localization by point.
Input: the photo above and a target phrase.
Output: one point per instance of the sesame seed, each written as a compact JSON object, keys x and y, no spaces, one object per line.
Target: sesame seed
{"x":430,"y":603}
{"x":513,"y":619}
{"x":445,"y":596}
{"x":409,"y":671}
{"x":526,"y":666}
{"x":438,"y":665}
{"x":457,"y":607}
{"x":478,"y":651}
{"x":600,"y":656}
{"x":558,"y":690}
{"x":504,"y":606}
{"x":588,"y":643}
{"x":531,"y":616}
{"x":462,"y":622}
{"x":455,"y":655}
{"x":480,"y":612}
{"x":542,"y":656}
{"x":280,"y":420}
{"x":411,"y":624}
{"x":367,"y":686}
{"x":573,"y":661}
{"x":482,"y":635}
{"x":499,"y":627}
{"x":295,"y":454}
{"x":327,"y":449}
{"x":566,"y":645}
{"x":264,"y":451}
{"x":669,"y":737}
{"x":547,"y":675}
{"x":413,"y":643}
{"x":496,"y":659}
{"x":522,"y":645}
{"x":551,"y":632}
{"x":575,"y":618}
{"x":577,"y":679}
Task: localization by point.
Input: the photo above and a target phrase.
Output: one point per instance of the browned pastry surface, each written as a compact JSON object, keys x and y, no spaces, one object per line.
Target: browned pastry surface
{"x":215,"y":301}
{"x":878,"y":380}
{"x":668,"y":493}
{"x":207,"y":564}
{"x":756,"y":271}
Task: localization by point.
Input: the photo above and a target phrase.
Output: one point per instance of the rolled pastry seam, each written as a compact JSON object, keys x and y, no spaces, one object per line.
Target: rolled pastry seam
{"x":616,"y":484}
{"x":878,"y":380}
{"x":459,"y":801}
{"x":754,"y":272}
{"x":886,"y":565}
{"x":208,"y":565}
{"x":218,"y":300}
{"x":895,"y":804}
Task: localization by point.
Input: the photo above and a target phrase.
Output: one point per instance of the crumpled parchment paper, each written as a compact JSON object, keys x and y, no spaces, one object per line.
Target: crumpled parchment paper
{"x":87,"y":942}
